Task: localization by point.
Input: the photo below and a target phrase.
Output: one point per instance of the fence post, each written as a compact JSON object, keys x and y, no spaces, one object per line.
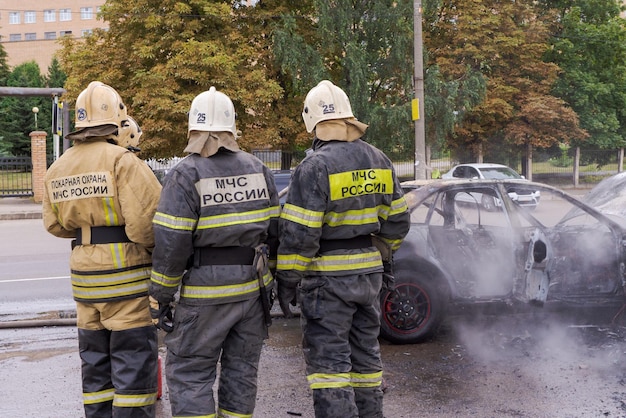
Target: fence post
{"x":529,"y":161}
{"x":576,"y":172}
{"x":38,"y":158}
{"x":620,"y":160}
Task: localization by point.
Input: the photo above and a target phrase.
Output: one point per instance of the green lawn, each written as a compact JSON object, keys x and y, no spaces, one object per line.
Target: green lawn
{"x":12,"y":181}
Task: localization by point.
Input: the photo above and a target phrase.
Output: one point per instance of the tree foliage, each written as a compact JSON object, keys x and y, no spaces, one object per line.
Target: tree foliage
{"x":160,"y":54}
{"x":365,"y":48}
{"x":16,"y":113}
{"x":5,"y":70}
{"x":5,"y":146}
{"x":505,"y":42}
{"x":259,"y":25}
{"x":590,"y":48}
{"x":498,"y":75}
{"x":56,"y":76}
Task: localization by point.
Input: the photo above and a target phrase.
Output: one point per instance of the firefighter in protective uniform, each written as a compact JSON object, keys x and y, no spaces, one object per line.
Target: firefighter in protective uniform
{"x":218,"y":211}
{"x":344,"y":203}
{"x":129,"y":135}
{"x":101,"y":195}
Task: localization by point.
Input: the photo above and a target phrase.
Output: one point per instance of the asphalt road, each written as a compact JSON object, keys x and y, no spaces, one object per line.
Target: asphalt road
{"x":531,"y":365}
{"x":535,"y":364}
{"x":35,"y":270}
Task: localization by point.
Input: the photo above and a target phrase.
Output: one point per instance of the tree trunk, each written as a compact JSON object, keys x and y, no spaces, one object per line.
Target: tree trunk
{"x":576,"y":166}
{"x":285,"y":160}
{"x":529,"y":161}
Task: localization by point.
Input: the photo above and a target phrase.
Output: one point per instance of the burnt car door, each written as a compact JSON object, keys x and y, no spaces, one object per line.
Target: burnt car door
{"x":477,"y":248}
{"x":584,"y":263}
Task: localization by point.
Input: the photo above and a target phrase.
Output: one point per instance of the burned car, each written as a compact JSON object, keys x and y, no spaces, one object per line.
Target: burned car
{"x":567,"y":251}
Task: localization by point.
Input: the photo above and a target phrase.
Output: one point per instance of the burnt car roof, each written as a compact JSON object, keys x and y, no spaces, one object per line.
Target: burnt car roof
{"x":607,"y":199}
{"x":609,"y":196}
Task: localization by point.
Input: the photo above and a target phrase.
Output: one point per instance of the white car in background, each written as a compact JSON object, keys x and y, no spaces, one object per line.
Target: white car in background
{"x":492,"y":172}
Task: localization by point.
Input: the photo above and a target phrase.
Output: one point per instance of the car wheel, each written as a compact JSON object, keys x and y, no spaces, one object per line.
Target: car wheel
{"x":412,"y":312}
{"x":488,"y":203}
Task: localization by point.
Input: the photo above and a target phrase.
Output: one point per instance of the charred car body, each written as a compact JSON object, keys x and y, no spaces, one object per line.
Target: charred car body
{"x":564,"y":252}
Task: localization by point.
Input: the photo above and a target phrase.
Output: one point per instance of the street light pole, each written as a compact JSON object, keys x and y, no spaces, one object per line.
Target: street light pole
{"x":35,"y":111}
{"x":418,"y":83}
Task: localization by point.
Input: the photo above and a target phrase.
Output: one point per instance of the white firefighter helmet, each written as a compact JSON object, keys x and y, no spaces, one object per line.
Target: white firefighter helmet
{"x":325,"y":101}
{"x":99,"y":104}
{"x":129,"y":135}
{"x":212,"y":111}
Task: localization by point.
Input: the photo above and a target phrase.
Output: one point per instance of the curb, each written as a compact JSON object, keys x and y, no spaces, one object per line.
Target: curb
{"x":20,"y":215}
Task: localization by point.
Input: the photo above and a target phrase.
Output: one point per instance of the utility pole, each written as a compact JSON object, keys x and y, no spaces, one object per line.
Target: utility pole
{"x":418,"y":101}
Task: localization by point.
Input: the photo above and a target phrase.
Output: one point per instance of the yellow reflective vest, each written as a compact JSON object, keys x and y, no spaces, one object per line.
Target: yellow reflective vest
{"x":94,"y":187}
{"x":340,"y":192}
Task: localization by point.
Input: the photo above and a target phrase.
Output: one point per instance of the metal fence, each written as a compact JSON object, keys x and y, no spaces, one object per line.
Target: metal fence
{"x":558,"y":170}
{"x":593,"y":166}
{"x":16,"y":172}
{"x":16,"y":178}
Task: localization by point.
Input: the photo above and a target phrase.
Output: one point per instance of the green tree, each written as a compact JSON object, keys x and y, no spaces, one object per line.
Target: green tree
{"x":56,"y":76}
{"x":505,"y":42}
{"x":590,"y":48}
{"x":16,"y":113}
{"x":160,"y":55}
{"x":5,"y":146}
{"x":365,"y":48}
{"x":267,"y":26}
{"x":5,"y":70}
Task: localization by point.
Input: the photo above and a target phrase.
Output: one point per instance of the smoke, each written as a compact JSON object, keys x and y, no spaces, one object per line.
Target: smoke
{"x":571,"y":370}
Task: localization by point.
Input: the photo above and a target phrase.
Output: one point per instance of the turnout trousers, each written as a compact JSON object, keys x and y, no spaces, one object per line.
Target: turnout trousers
{"x":340,"y":325}
{"x":231,"y":334}
{"x":118,"y":350}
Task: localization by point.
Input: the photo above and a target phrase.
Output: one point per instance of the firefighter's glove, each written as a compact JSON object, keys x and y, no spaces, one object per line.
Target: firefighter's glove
{"x":388,"y":276}
{"x":161,"y":314}
{"x":287,"y":295}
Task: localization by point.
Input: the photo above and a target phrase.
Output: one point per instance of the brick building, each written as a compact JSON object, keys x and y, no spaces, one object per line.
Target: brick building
{"x":30,"y":29}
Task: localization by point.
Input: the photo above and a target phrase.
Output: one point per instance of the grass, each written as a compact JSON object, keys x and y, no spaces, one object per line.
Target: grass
{"x":13,"y":181}
{"x":546,"y":168}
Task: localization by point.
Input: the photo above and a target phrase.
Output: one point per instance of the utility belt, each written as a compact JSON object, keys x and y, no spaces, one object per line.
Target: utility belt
{"x":223,"y":256}
{"x":100,"y":235}
{"x":362,"y":241}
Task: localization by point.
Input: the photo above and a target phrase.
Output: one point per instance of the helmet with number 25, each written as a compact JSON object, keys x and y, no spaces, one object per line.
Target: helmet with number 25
{"x":212,"y":111}
{"x":99,"y":104}
{"x":325,"y":101}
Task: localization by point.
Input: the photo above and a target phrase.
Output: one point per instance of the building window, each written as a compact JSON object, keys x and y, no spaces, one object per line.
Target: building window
{"x":65,"y":15}
{"x":50,"y":35}
{"x":15,"y":37}
{"x":65,"y":33}
{"x":86,"y":13}
{"x":14,"y":18}
{"x":86,"y":32}
{"x":29,"y":17}
{"x":32,"y":36}
{"x":49,"y":15}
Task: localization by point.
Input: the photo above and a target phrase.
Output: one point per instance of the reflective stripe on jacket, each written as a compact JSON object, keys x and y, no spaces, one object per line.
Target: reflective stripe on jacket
{"x":226,"y":200}
{"x":341,"y":191}
{"x":98,"y":184}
